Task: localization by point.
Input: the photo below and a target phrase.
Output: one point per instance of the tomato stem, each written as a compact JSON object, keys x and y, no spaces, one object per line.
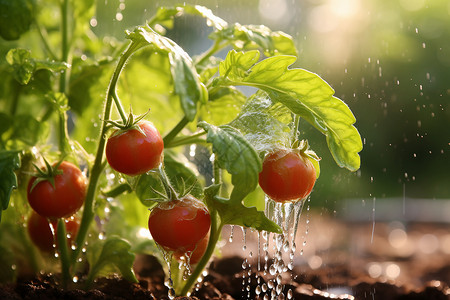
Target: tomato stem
{"x":216,"y":229}
{"x":97,"y":168}
{"x":217,"y":46}
{"x":170,"y":191}
{"x":173,"y":133}
{"x":186,"y":140}
{"x":61,"y":237}
{"x":119,"y":107}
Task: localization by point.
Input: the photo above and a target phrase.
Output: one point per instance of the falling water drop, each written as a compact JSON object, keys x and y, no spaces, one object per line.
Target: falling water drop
{"x":230,"y":239}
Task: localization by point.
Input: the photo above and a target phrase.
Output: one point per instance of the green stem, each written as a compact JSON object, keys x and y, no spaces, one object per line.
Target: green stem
{"x":216,"y":229}
{"x":97,"y":168}
{"x":296,"y":134}
{"x":64,"y":42}
{"x":186,"y":140}
{"x":63,"y":132}
{"x":216,"y":47}
{"x":16,"y":89}
{"x":44,"y":38}
{"x":61,"y":237}
{"x":119,"y":107}
{"x":170,"y":191}
{"x":173,"y":133}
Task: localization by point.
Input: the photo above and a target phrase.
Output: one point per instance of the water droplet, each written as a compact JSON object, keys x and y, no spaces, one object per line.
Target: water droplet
{"x":258,"y":290}
{"x":272,"y":270}
{"x":264,"y":287}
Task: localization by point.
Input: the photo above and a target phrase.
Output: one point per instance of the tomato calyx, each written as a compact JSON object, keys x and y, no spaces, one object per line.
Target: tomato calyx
{"x":46,"y":174}
{"x":170,"y":194}
{"x":131,"y":123}
{"x":302,"y":148}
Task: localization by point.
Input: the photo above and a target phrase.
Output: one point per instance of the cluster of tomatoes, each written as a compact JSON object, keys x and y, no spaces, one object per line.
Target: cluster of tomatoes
{"x":180,"y":226}
{"x":57,"y":192}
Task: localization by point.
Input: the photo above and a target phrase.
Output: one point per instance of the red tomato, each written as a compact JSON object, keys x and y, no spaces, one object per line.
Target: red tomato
{"x":287,"y":176}
{"x":41,"y":233}
{"x":179,"y":224}
{"x":133,"y":153}
{"x":62,"y":200}
{"x":194,"y":253}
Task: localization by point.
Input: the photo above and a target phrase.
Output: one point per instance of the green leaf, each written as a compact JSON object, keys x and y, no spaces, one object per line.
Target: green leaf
{"x":16,"y":18}
{"x":236,"y":155}
{"x":305,"y":94}
{"x":187,"y":82}
{"x":242,"y":37}
{"x":237,"y":64}
{"x":249,"y":37}
{"x":264,"y":123}
{"x":9,"y":162}
{"x":6,"y":122}
{"x":59,"y":100}
{"x":166,"y":15}
{"x":223,"y":106}
{"x":24,"y":66}
{"x":182,"y":174}
{"x":115,"y":253}
{"x":235,"y":213}
{"x":28,"y":130}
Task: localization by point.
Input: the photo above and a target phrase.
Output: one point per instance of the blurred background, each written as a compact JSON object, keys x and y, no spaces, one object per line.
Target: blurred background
{"x":388,"y":60}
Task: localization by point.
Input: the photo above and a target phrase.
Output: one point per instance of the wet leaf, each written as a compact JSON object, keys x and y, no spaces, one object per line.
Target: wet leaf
{"x":16,"y":18}
{"x":235,"y":213}
{"x":304,"y":93}
{"x":186,"y":79}
{"x":114,"y":253}
{"x":9,"y":162}
{"x":236,"y":155}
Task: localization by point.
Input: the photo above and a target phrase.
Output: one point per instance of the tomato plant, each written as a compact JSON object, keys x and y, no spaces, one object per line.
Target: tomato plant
{"x":60,"y":194}
{"x":179,"y":225}
{"x":287,"y":175}
{"x":134,"y":152}
{"x":42,"y":234}
{"x":52,"y":77}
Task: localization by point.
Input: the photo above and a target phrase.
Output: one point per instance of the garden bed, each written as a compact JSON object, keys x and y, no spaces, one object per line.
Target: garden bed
{"x":340,"y":260}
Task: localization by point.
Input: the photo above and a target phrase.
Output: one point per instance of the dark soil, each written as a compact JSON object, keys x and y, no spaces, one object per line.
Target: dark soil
{"x":343,"y":272}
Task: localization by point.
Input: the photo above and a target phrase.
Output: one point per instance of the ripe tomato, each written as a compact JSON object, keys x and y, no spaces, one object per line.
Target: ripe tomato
{"x":133,"y":153}
{"x":179,"y":224}
{"x":64,"y":198}
{"x":287,"y":176}
{"x":41,"y":233}
{"x":194,"y":253}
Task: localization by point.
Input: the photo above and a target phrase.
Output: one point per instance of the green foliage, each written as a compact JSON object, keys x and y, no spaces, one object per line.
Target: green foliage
{"x":184,"y":177}
{"x":115,"y":253}
{"x":186,"y":80}
{"x":16,"y":18}
{"x":65,"y":84}
{"x":24,"y":65}
{"x":265,"y":124}
{"x":235,"y":213}
{"x":304,"y":93}
{"x":9,"y":162}
{"x":236,"y":155}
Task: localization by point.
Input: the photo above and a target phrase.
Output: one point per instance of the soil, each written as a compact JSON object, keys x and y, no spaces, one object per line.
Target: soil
{"x":340,"y":260}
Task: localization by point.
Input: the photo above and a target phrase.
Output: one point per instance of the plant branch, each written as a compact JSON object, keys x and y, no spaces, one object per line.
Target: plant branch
{"x":97,"y":168}
{"x":216,"y":47}
{"x":61,"y":237}
{"x":173,"y":133}
{"x":186,"y":140}
{"x":216,"y":229}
